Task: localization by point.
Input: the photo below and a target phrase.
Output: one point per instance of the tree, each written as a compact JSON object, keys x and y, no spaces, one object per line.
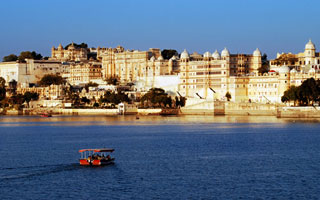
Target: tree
{"x":28,"y":96}
{"x":180,"y":101}
{"x":13,"y":86}
{"x":114,"y":98}
{"x":264,"y":64}
{"x":309,"y":91}
{"x":2,"y":82}
{"x":292,"y":94}
{"x":90,"y":84}
{"x":156,"y":97}
{"x":29,"y":55}
{"x":168,"y":53}
{"x":9,"y":58}
{"x":16,"y":99}
{"x":228,"y":96}
{"x":85,"y":100}
{"x":112,"y":80}
{"x":306,"y":94}
{"x":2,"y":89}
{"x":51,"y":79}
{"x":77,"y":46}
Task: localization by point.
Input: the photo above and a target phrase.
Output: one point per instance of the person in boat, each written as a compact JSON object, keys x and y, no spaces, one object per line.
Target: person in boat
{"x":108,"y":157}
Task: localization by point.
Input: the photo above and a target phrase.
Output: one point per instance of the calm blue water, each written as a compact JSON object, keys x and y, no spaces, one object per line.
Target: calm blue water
{"x":160,"y":158}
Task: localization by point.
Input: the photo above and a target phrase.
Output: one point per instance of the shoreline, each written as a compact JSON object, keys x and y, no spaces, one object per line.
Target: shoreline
{"x":270,"y":110}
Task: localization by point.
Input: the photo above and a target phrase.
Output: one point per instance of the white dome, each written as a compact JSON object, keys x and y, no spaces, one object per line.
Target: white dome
{"x":216,"y":55}
{"x":293,"y":71}
{"x":207,"y":54}
{"x":284,"y":69}
{"x":310,"y":45}
{"x":160,"y":58}
{"x":257,"y":52}
{"x":312,"y":70}
{"x":225,"y":53}
{"x":173,"y":57}
{"x":152,"y":59}
{"x":184,"y":55}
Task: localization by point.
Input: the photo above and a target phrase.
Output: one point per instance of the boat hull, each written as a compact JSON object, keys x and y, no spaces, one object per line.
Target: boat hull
{"x":86,"y":162}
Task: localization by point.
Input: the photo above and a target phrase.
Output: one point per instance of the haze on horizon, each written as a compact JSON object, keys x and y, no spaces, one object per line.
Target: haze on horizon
{"x":241,"y":26}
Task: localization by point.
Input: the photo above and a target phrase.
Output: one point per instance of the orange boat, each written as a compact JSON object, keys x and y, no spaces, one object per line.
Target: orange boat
{"x":96,"y":157}
{"x":46,"y":115}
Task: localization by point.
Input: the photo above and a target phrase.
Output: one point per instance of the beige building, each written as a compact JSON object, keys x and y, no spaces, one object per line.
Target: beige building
{"x":130,"y":66}
{"x":210,"y":76}
{"x":85,"y":72}
{"x":51,"y":92}
{"x":70,"y":54}
{"x":30,"y":71}
{"x":302,"y":61}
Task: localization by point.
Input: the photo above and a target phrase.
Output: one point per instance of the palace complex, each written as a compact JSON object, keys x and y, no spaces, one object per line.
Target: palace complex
{"x":198,"y":77}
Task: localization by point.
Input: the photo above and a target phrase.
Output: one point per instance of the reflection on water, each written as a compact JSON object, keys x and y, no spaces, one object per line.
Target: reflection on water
{"x":143,"y":120}
{"x":185,"y":157}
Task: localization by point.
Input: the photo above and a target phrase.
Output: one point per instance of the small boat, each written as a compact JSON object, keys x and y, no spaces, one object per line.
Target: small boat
{"x":96,"y":157}
{"x":46,"y":115}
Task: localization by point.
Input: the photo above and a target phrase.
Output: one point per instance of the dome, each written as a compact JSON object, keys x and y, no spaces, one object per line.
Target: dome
{"x":207,"y":54}
{"x":216,"y":55}
{"x":225,"y":53}
{"x":160,"y":58}
{"x":152,"y":59}
{"x":257,"y":52}
{"x":284,"y":69}
{"x":312,"y":70}
{"x":293,"y":71}
{"x":173,"y":58}
{"x":184,"y":55}
{"x":310,"y":45}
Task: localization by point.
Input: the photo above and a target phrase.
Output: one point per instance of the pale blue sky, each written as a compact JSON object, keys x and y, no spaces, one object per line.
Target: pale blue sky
{"x":196,"y":25}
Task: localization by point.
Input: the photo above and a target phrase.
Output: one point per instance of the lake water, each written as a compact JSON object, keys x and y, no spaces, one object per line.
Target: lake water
{"x":191,"y":157}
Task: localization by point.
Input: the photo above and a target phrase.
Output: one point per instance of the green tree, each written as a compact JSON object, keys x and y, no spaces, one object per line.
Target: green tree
{"x":112,"y":80}
{"x":28,"y":96}
{"x":29,"y":55}
{"x":156,"y":97}
{"x":264,"y":64}
{"x":16,"y":99}
{"x":306,"y":94}
{"x":2,"y":89}
{"x":77,"y":46}
{"x":75,"y":100}
{"x":51,"y":79}
{"x":11,"y":57}
{"x":13,"y":86}
{"x":292,"y":94}
{"x":228,"y":96}
{"x":85,"y":100}
{"x":2,"y":82}
{"x":168,"y":53}
{"x":309,"y":91}
{"x":90,"y":84}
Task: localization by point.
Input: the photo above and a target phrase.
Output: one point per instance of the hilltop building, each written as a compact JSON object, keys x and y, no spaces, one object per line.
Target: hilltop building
{"x":31,"y":71}
{"x":70,"y":54}
{"x":303,"y":61}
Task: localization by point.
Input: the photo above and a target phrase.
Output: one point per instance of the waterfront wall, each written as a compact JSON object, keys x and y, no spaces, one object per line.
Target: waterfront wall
{"x":65,"y":111}
{"x":299,"y":112}
{"x":256,"y":109}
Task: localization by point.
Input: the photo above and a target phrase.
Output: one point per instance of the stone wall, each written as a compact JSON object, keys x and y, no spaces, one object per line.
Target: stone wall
{"x":299,"y":112}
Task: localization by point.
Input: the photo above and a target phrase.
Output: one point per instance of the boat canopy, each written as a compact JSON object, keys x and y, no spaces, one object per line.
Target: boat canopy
{"x":96,"y":150}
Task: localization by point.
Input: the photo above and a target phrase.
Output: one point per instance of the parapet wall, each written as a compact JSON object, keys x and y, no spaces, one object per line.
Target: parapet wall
{"x":299,"y":112}
{"x":231,"y":108}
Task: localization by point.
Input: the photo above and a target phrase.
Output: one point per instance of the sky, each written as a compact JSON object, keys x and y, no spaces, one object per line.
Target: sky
{"x":195,"y":25}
